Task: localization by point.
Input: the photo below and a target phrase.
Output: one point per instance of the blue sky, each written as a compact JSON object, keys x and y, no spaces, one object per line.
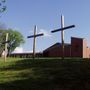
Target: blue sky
{"x":22,"y":15}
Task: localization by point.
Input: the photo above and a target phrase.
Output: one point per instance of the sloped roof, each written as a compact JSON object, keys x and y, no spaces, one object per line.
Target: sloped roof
{"x":56,"y":45}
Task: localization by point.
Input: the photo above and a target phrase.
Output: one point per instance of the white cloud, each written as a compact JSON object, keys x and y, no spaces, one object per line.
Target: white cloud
{"x":45,"y":32}
{"x":18,"y":50}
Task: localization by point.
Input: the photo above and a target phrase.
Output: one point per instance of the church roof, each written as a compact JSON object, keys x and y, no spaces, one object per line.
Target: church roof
{"x":56,"y":45}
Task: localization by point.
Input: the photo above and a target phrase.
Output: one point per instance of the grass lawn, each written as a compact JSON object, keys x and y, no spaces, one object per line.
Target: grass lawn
{"x":44,"y":74}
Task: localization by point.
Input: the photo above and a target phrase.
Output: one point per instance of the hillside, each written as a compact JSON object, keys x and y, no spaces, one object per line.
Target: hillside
{"x":44,"y":74}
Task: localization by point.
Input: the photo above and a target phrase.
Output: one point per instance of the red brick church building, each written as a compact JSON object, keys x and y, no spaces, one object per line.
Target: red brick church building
{"x":77,"y":48}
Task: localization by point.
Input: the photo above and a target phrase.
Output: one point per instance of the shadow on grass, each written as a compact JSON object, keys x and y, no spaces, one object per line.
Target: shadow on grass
{"x":49,"y":74}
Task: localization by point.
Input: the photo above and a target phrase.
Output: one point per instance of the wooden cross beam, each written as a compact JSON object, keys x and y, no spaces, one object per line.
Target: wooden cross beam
{"x":65,"y":28}
{"x":34,"y":39}
{"x":62,"y":33}
{"x":5,"y":42}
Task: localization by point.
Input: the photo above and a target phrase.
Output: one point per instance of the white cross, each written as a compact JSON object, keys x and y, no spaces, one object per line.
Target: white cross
{"x":34,"y":39}
{"x":62,"y":33}
{"x":6,"y":50}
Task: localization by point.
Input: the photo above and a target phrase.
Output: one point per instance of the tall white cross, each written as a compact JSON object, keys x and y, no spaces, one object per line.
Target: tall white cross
{"x":34,"y":39}
{"x":62,"y":33}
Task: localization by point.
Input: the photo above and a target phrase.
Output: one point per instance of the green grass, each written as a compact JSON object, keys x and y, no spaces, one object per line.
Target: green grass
{"x":44,"y":74}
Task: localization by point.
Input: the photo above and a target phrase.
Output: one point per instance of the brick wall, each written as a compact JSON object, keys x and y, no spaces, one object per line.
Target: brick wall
{"x":56,"y":51}
{"x":76,"y":47}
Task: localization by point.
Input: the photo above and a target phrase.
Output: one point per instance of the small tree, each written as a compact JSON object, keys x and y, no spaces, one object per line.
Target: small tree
{"x":14,"y":40}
